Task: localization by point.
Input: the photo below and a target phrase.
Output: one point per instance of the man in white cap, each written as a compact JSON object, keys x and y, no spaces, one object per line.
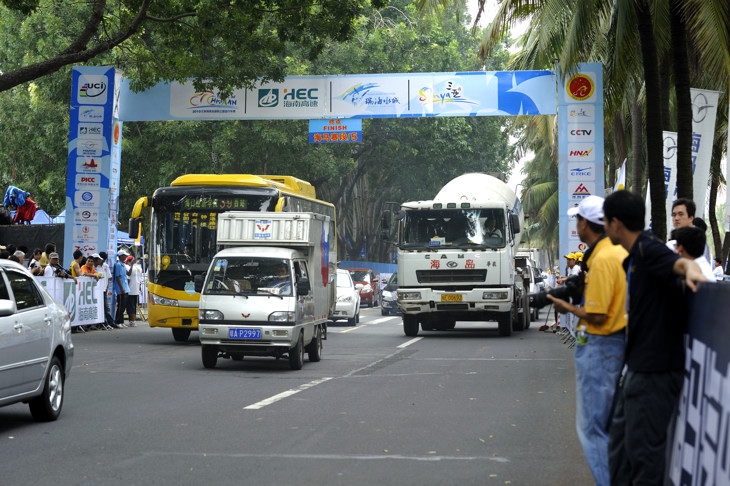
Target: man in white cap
{"x":598,"y":361}
{"x":121,"y":288}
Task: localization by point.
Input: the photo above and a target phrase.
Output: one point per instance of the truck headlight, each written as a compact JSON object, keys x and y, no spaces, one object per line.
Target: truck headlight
{"x":210,"y":315}
{"x":495,"y":295}
{"x":281,"y":316}
{"x":157,"y":300}
{"x":409,"y":295}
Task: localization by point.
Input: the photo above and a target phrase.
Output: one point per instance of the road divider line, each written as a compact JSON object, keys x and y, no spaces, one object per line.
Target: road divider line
{"x":352,"y":328}
{"x":408,"y":343}
{"x":378,"y":321}
{"x":286,"y":394}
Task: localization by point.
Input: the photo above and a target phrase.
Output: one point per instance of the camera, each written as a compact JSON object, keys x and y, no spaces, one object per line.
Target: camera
{"x":571,"y":291}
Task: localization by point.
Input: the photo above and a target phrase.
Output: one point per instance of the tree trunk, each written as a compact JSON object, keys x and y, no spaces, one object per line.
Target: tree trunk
{"x":665,"y":70}
{"x":637,"y":154}
{"x":715,"y":172}
{"x":619,"y":147}
{"x":654,"y":143}
{"x":684,"y":104}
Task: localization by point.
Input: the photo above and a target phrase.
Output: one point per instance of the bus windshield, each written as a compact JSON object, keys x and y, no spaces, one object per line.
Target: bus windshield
{"x":452,"y":228}
{"x":183,"y":227}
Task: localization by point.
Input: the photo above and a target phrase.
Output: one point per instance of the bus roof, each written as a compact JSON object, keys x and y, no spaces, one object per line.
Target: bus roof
{"x":285,"y":183}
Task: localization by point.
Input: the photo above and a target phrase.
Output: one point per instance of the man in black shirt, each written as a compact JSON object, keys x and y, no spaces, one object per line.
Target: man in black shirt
{"x":652,"y":380}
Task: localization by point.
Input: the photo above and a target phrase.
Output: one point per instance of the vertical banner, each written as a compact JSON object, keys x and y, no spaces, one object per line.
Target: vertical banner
{"x":727,"y":189}
{"x":580,"y":147}
{"x":704,"y":113}
{"x":89,"y":164}
{"x":621,"y":178}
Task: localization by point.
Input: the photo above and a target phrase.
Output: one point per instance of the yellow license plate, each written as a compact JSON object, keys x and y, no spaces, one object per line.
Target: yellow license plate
{"x":450,"y":297}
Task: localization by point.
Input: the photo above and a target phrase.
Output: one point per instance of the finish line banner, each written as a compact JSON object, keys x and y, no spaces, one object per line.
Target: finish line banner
{"x":84,"y":300}
{"x":335,"y":131}
{"x":491,"y":93}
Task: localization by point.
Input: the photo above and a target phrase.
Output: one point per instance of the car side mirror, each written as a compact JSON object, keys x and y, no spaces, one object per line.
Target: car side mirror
{"x":303,"y":286}
{"x":7,"y":307}
{"x":198,"y":281}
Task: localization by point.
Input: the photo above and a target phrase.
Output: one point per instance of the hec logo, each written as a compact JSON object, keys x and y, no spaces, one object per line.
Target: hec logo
{"x":580,"y":87}
{"x":268,"y":98}
{"x":92,"y":89}
{"x":300,"y":98}
{"x":91,"y":130}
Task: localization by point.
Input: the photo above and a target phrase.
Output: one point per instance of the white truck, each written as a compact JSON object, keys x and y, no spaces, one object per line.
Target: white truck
{"x":268,"y":292}
{"x":456,"y":257}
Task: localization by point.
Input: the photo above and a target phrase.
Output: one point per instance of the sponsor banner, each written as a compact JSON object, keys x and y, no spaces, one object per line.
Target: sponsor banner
{"x":335,"y":131}
{"x":580,"y":147}
{"x":704,"y":113}
{"x":494,"y":93}
{"x":698,"y":439}
{"x":669,"y":153}
{"x":89,"y":151}
{"x":84,"y":300}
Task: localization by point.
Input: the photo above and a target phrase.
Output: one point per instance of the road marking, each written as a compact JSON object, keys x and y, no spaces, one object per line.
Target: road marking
{"x":378,"y":321}
{"x":285,"y":394}
{"x":408,"y":343}
{"x":352,"y":328}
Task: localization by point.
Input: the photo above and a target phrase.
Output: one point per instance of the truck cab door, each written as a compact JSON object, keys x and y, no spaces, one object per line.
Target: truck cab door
{"x":305,"y":303}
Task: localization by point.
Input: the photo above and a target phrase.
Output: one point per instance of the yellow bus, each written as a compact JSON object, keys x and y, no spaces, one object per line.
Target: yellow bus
{"x":182,"y":239}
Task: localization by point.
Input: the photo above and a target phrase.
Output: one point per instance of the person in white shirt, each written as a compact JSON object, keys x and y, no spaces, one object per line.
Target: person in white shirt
{"x":719,"y":272}
{"x":134,"y":269}
{"x":691,"y":244}
{"x":106,"y":279}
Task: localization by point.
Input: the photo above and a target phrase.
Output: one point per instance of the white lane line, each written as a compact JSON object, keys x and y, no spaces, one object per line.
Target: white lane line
{"x":408,"y":343}
{"x":285,"y":394}
{"x":352,"y":328}
{"x":378,"y":321}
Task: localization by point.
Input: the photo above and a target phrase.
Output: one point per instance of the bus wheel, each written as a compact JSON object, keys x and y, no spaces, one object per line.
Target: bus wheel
{"x":180,"y":335}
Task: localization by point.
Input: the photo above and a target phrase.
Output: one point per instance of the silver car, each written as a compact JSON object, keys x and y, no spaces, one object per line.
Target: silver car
{"x":36,"y":352}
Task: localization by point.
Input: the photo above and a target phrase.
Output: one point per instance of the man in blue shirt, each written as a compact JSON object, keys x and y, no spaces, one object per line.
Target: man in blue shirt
{"x":121,"y":287}
{"x":649,"y":390}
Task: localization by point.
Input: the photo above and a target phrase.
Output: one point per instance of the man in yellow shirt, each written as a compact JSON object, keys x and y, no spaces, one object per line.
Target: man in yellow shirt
{"x":599,"y":360}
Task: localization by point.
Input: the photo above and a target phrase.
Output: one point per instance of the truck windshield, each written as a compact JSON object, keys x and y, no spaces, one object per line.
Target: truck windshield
{"x":452,"y":228}
{"x":249,"y":275}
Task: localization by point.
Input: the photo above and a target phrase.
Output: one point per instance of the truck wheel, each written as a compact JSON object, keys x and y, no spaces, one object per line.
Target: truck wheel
{"x":504,"y":322}
{"x":410,"y":325}
{"x":526,"y":311}
{"x":180,"y":335}
{"x":296,"y":354}
{"x":210,"y":355}
{"x":314,"y":349}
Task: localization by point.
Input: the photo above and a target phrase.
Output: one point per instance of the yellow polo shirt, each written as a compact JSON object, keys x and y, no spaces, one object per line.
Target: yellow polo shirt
{"x":605,"y":290}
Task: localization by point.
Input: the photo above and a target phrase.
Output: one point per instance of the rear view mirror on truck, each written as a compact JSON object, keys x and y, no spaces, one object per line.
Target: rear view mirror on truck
{"x":303,"y":286}
{"x":198,"y":281}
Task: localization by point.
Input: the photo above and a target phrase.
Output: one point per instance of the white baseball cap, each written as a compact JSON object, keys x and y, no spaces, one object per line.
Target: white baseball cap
{"x":590,"y":208}
{"x":122,"y":252}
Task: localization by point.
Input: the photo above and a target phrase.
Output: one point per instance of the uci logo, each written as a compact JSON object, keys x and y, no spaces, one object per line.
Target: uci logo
{"x":268,"y":98}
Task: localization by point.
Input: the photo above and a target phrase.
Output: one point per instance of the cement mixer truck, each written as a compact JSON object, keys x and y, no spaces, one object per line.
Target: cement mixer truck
{"x":456,"y":257}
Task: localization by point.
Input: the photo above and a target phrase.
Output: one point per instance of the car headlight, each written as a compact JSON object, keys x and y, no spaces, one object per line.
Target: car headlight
{"x":157,"y":300}
{"x":366,"y":289}
{"x":344,"y":298}
{"x":495,"y":295}
{"x":409,"y":295}
{"x":210,"y":315}
{"x":281,"y":316}
{"x":387,"y":294}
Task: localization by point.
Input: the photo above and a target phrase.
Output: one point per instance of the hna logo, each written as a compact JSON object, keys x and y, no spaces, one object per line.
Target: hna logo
{"x":92,"y":89}
{"x":268,"y":98}
{"x":581,"y":153}
{"x":580,"y":87}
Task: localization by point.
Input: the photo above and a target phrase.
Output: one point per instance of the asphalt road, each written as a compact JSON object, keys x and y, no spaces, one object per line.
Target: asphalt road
{"x":464,"y":407}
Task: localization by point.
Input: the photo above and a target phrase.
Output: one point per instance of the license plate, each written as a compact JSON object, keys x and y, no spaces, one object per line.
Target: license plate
{"x":450,"y":297}
{"x":243,"y":333}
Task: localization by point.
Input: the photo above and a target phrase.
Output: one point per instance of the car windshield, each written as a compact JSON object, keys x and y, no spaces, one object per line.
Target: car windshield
{"x":392,"y":283}
{"x":343,"y":280}
{"x":249,"y":275}
{"x":455,"y":228}
{"x":360,"y":275}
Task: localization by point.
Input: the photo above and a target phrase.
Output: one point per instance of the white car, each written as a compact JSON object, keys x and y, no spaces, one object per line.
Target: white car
{"x":348,"y":299}
{"x":36,"y":352}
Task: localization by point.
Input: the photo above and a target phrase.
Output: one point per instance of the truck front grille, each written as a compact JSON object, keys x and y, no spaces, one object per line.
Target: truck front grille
{"x":451,"y":276}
